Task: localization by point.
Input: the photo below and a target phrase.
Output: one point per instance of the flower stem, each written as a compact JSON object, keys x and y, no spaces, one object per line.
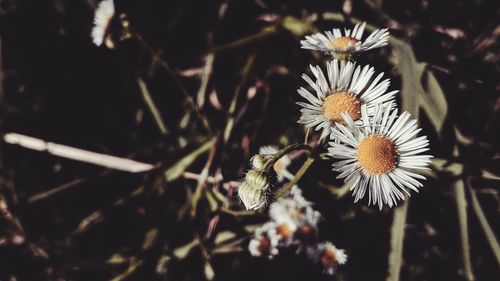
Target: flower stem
{"x":464,"y":234}
{"x":397,"y":241}
{"x":285,"y":151}
{"x":300,"y":173}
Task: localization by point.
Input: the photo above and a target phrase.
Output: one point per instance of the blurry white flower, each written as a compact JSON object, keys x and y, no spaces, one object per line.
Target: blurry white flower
{"x":343,"y":44}
{"x":296,"y":213}
{"x":265,"y":241}
{"x":286,"y":228}
{"x":102,"y":19}
{"x":327,"y":255}
{"x":255,"y":190}
{"x":345,"y":88}
{"x":280,"y":166}
{"x":377,"y":155}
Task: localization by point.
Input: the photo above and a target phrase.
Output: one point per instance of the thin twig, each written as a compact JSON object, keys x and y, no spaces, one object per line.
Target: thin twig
{"x":77,"y":154}
{"x":232,"y":107}
{"x":265,"y":32}
{"x":153,"y":109}
{"x":61,"y":188}
{"x":202,"y":180}
{"x":205,"y":77}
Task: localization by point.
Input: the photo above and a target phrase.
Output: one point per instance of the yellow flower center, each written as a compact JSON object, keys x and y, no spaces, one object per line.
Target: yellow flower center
{"x":284,"y":231}
{"x":339,"y":102}
{"x":341,"y":43}
{"x":328,"y":257}
{"x":377,"y":154}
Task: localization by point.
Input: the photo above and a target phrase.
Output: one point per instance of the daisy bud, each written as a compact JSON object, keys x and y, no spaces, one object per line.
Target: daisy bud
{"x":255,"y":191}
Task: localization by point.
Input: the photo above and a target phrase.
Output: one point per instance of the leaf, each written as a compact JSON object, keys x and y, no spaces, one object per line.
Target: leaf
{"x":212,"y":202}
{"x":250,"y":228}
{"x":182,"y":251}
{"x":150,"y":238}
{"x":208,"y":270}
{"x":429,"y":96}
{"x":433,"y":100}
{"x":134,"y":263}
{"x":176,"y":170}
{"x":224,"y":236}
{"x":461,"y":203}
{"x":162,"y":265}
{"x":296,"y":26}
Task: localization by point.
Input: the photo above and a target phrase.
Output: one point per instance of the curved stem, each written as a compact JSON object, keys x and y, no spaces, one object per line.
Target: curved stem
{"x":285,"y":151}
{"x":300,"y":173}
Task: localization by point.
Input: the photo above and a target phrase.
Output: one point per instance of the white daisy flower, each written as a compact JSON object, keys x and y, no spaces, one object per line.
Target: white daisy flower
{"x":265,"y":241}
{"x":327,"y":255}
{"x":280,"y":167}
{"x":343,"y":45}
{"x":344,"y":89}
{"x":102,"y":19}
{"x":377,"y":155}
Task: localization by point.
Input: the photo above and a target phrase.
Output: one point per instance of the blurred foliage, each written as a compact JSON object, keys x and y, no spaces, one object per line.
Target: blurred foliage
{"x":198,"y":92}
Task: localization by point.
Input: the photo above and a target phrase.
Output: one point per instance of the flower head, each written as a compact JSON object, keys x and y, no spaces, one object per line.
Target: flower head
{"x":265,"y":241}
{"x":344,"y":45}
{"x":102,"y":20}
{"x":344,"y":89}
{"x":376,"y":156}
{"x":327,"y":255}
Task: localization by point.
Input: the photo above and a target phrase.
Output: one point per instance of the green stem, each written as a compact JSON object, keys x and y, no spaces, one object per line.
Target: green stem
{"x":232,"y":107}
{"x":464,"y":234}
{"x":153,"y":109}
{"x":306,"y":137}
{"x":285,"y":151}
{"x":300,"y":173}
{"x":265,"y":32}
{"x":397,"y":241}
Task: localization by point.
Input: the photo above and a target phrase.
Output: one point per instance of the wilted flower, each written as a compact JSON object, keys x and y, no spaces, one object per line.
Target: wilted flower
{"x":376,"y":155}
{"x":102,"y":21}
{"x":328,"y":256}
{"x":344,"y":89}
{"x":265,"y":241}
{"x":255,"y":191}
{"x":342,"y":46}
{"x":295,"y":213}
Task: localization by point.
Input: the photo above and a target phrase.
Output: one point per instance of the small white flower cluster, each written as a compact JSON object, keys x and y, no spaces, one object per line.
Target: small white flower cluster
{"x":294,"y":223}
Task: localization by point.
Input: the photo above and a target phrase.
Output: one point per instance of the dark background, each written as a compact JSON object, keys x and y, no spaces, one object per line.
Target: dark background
{"x":56,"y":85}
